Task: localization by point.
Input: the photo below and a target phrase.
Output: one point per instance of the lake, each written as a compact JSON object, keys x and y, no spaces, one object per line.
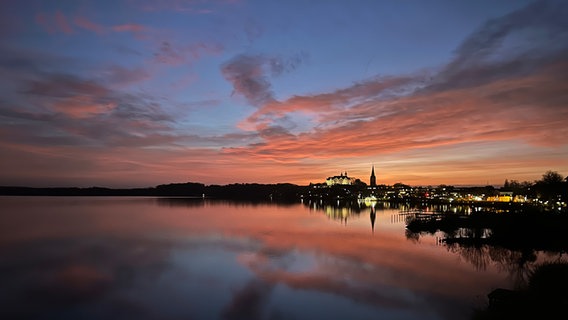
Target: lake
{"x":168,"y":258}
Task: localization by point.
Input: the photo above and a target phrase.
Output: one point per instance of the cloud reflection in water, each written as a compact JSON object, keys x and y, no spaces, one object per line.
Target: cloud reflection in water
{"x":124,"y":258}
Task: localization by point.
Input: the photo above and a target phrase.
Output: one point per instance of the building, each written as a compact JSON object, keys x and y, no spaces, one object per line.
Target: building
{"x":504,"y":196}
{"x":341,"y":179}
{"x":373,"y":179}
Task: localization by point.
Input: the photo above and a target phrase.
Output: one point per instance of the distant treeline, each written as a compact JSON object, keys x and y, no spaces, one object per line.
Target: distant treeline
{"x":252,"y":191}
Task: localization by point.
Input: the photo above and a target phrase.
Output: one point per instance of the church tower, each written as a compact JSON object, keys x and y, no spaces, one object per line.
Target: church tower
{"x":373,"y":179}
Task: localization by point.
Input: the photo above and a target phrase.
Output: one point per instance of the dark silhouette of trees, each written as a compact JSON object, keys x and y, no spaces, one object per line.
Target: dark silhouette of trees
{"x":551,"y":187}
{"x":180,"y":189}
{"x":516,"y":186}
{"x":544,"y":295}
{"x":238,"y":191}
{"x":552,"y":177}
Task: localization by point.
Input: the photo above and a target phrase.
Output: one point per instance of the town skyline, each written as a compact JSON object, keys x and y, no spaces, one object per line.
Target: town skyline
{"x":342,"y":178}
{"x":126,"y":94}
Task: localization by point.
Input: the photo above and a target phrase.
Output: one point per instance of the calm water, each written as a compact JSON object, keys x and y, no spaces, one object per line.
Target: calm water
{"x":148,"y":258}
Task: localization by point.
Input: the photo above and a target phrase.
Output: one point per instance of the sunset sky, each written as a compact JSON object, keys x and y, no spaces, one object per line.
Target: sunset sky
{"x":139,"y":93}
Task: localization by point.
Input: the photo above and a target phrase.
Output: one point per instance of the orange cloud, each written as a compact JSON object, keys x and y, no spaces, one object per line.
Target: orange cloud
{"x":82,"y":107}
{"x":533,"y":114}
{"x":476,"y":118}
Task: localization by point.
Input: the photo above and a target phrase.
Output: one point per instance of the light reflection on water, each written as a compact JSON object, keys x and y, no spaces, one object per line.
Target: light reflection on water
{"x":146,"y":258}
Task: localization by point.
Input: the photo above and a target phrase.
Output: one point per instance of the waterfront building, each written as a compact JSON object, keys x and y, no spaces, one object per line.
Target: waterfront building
{"x":342,"y":179}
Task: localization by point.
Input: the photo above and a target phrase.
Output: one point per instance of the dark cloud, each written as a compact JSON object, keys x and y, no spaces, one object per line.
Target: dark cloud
{"x":49,"y":105}
{"x":249,"y":302}
{"x":18,"y":62}
{"x":250,"y":75}
{"x":125,"y":76}
{"x":279,"y":65}
{"x":545,"y":16}
{"x":175,"y":54}
{"x":64,"y":85}
{"x":168,"y":54}
{"x":515,"y":44}
{"x":189,"y":7}
{"x":275,"y":131}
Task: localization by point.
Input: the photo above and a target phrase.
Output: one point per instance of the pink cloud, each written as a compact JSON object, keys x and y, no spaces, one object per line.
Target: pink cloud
{"x":62,"y":23}
{"x":417,"y":121}
{"x":171,"y":159}
{"x":58,"y":22}
{"x":372,"y":120}
{"x":82,"y":107}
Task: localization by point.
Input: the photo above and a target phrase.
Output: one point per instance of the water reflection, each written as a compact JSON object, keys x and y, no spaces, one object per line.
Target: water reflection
{"x":527,"y":246}
{"x":201,"y":202}
{"x":373,"y":215}
{"x":181,"y":202}
{"x":117,"y":258}
{"x":343,"y":211}
{"x":44,"y":278}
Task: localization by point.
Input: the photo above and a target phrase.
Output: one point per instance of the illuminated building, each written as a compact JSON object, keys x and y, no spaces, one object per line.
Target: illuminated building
{"x":341,"y":179}
{"x":504,"y":196}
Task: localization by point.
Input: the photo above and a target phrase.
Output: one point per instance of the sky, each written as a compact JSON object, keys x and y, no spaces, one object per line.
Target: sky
{"x":138,"y":93}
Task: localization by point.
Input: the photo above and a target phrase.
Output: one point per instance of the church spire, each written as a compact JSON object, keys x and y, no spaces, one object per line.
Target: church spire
{"x":373,"y":179}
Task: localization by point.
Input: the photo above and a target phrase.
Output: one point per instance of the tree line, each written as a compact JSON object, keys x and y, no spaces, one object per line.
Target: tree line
{"x":551,"y":187}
